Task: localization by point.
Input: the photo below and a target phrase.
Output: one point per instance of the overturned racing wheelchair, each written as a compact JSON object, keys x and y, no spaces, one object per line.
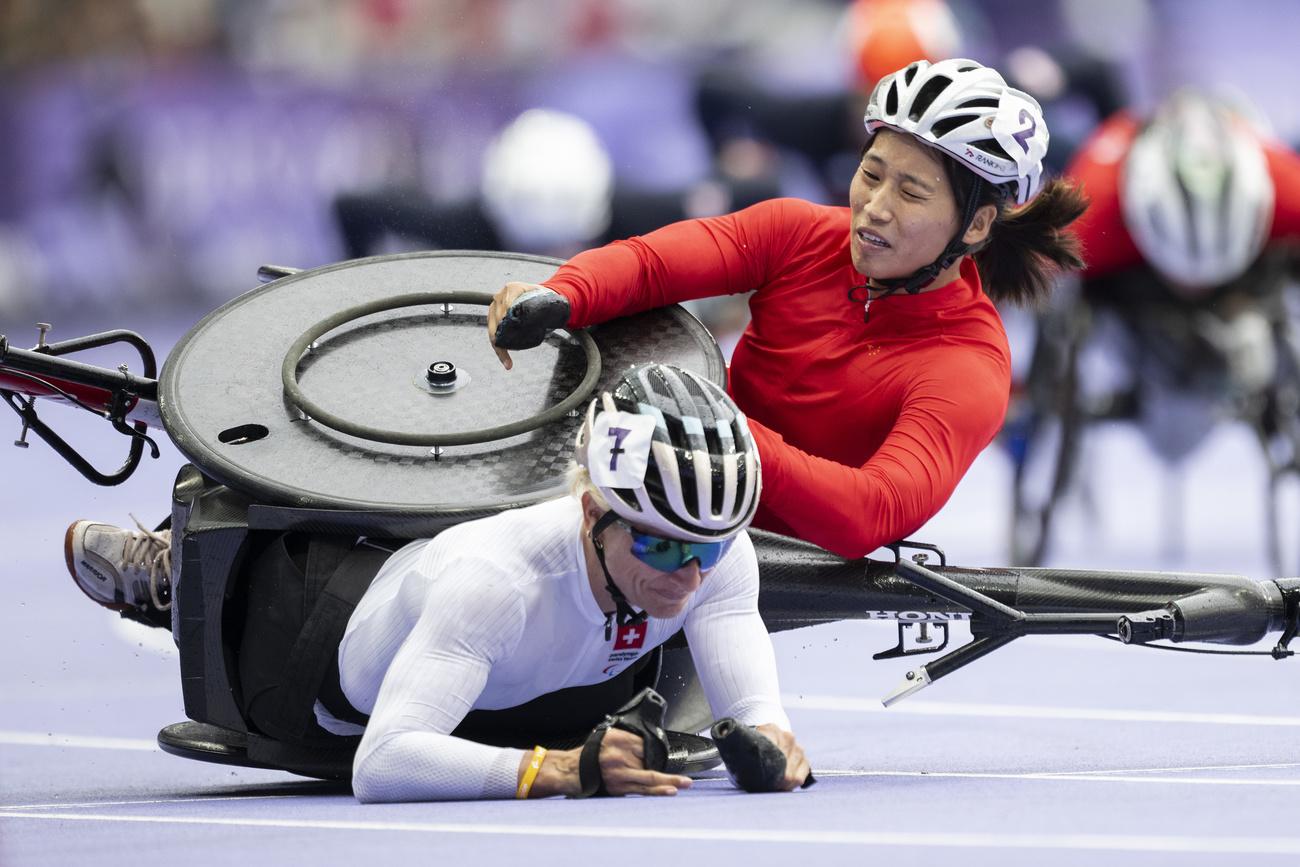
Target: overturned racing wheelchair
{"x":361,"y":400}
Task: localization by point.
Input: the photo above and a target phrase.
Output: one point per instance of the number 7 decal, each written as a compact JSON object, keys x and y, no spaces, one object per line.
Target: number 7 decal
{"x":619,"y":434}
{"x":619,"y":451}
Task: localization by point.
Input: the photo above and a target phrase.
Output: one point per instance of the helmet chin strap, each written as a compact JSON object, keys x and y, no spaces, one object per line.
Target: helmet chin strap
{"x":623,"y":613}
{"x":922,"y":278}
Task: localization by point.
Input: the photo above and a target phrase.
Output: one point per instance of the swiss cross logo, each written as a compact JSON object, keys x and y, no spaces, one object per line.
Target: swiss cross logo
{"x":630,"y":637}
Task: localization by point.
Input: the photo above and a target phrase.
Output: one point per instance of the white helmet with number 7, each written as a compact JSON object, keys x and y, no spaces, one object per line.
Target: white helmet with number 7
{"x":671,"y":452}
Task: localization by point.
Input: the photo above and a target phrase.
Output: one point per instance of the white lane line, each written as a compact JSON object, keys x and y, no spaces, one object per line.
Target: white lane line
{"x":136,"y":803}
{"x":1255,"y":845}
{"x":1064,"y":776}
{"x":1047,"y":776}
{"x":49,"y":739}
{"x":1269,"y":766}
{"x":1016,"y":711}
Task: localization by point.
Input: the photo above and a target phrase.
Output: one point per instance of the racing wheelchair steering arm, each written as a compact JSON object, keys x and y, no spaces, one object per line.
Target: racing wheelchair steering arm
{"x":803,"y":585}
{"x":1224,"y":612}
{"x":127,"y":401}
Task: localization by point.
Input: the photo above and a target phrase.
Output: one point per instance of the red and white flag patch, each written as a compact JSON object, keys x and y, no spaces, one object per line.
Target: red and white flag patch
{"x":630,"y":637}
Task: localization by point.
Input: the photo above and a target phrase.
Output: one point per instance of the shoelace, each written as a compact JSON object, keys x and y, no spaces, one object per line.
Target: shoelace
{"x":151,"y":552}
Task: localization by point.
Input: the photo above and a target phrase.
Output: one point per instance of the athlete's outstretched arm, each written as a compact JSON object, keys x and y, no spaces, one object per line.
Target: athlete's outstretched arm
{"x":408,"y":752}
{"x":733,"y":655}
{"x":724,"y":255}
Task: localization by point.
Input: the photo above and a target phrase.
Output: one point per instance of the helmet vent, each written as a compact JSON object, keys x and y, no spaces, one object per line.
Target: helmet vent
{"x":942,"y":127}
{"x":1223,"y":197}
{"x":991,"y":146}
{"x":1257,"y":227}
{"x":686,"y":470}
{"x":676,"y":430}
{"x":910,"y":72}
{"x":1190,"y":234}
{"x":980,"y":102}
{"x":717,"y":489}
{"x":891,"y":99}
{"x":1157,"y":221}
{"x":927,"y":95}
{"x":626,"y":495}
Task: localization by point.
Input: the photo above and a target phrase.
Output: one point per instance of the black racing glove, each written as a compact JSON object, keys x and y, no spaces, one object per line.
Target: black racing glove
{"x":753,"y":761}
{"x":530,"y":318}
{"x":644,"y":716}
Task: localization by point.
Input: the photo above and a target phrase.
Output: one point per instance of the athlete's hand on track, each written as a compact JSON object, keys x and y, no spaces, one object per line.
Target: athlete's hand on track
{"x":797,"y":768}
{"x":621,"y":757}
{"x":622,"y":768}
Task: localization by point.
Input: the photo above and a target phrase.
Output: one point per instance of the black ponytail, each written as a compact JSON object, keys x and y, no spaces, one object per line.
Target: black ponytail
{"x":1027,"y":245}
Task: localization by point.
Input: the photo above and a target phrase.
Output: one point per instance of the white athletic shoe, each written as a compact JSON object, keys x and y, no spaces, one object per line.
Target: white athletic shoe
{"x":121,"y":569}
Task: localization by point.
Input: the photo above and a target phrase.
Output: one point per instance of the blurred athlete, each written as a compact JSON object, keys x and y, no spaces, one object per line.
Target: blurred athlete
{"x":547,"y":187}
{"x":745,"y":117}
{"x":1195,"y":195}
{"x":1190,"y":238}
{"x":742,"y":112}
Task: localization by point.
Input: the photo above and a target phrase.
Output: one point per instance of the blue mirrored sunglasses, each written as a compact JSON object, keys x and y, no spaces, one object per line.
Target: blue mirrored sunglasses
{"x":669,"y":555}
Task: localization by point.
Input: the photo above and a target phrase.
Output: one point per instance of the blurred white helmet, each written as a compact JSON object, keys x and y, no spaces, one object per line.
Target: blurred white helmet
{"x":1196,"y":193}
{"x":969,"y":112}
{"x":547,"y":181}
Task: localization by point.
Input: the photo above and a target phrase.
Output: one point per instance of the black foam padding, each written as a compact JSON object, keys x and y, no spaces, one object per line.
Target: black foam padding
{"x":754,"y":762}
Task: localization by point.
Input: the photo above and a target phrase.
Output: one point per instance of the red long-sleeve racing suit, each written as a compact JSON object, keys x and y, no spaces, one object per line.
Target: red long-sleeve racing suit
{"x":864,"y":423}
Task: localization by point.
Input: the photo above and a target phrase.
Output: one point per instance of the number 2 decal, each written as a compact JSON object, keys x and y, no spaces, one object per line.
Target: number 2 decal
{"x":1022,"y":136}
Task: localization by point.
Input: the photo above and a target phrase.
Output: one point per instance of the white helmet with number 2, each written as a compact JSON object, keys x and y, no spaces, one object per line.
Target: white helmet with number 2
{"x":969,"y":112}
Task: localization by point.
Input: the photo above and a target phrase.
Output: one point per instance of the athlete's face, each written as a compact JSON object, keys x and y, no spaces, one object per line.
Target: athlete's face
{"x":659,"y":594}
{"x":903,"y":209}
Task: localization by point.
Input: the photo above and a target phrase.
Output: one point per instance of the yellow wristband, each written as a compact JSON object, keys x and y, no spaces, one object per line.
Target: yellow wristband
{"x":526,"y":784}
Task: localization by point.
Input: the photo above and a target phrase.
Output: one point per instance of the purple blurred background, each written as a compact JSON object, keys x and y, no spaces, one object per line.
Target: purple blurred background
{"x":157,"y":151}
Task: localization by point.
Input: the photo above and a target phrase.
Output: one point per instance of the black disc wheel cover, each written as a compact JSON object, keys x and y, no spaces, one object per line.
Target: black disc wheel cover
{"x":222,"y":400}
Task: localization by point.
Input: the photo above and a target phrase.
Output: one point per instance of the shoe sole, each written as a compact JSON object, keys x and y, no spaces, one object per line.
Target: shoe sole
{"x":72,"y":570}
